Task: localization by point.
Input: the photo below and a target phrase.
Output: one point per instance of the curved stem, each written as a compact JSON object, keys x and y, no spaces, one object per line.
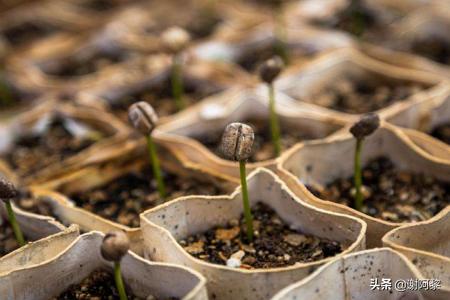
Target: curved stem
{"x":177,"y":83}
{"x":15,"y":226}
{"x":119,"y":282}
{"x":358,"y":175}
{"x":274,"y":123}
{"x":156,"y":168}
{"x":247,"y":212}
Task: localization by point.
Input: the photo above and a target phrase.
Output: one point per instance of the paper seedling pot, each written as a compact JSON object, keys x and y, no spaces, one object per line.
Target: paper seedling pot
{"x":304,"y":83}
{"x":164,"y":225}
{"x":422,"y":119}
{"x":236,"y":45}
{"x":180,"y":133}
{"x":349,"y":277}
{"x":321,"y":162}
{"x":39,"y":251}
{"x":154,"y":71}
{"x":72,"y":264}
{"x":112,"y":130}
{"x":133,"y":157}
{"x":426,"y":244}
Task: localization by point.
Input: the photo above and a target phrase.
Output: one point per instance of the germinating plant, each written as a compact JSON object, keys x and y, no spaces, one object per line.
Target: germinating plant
{"x":175,"y":40}
{"x":143,"y":117}
{"x":114,"y":246}
{"x":361,"y":129}
{"x":268,"y":72}
{"x":237,"y":142}
{"x":7,"y":192}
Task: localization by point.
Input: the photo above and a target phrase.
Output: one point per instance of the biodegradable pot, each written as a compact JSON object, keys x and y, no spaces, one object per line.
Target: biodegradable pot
{"x":40,"y":15}
{"x":37,"y":67}
{"x":154,"y":72}
{"x":139,"y":26}
{"x":349,"y":277}
{"x":305,"y":82}
{"x":425,"y":118}
{"x":35,"y":253}
{"x":258,"y":42}
{"x":321,"y":162}
{"x":180,"y":134}
{"x":36,"y":118}
{"x":82,"y":256}
{"x":426,"y":244}
{"x":132,"y":157}
{"x":422,"y":32}
{"x":164,"y":225}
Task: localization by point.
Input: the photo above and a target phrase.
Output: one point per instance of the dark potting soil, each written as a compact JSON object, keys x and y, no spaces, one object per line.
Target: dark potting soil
{"x":442,"y":132}
{"x":434,"y":48}
{"x":160,"y":97}
{"x":36,"y":205}
{"x":274,"y":245}
{"x":123,"y":199}
{"x":391,"y":194}
{"x":357,"y":97}
{"x":28,"y":31}
{"x":263,"y":146}
{"x":8,"y":241}
{"x":31,"y":153}
{"x":356,"y":20}
{"x":73,"y":66}
{"x":100,"y":5}
{"x":99,"y":285}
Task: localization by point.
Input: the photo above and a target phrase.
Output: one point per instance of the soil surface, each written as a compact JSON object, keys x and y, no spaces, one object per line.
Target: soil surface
{"x":36,"y":205}
{"x":442,"y":132}
{"x":434,"y":48}
{"x":391,"y":194}
{"x":10,"y":97}
{"x":123,"y":199}
{"x":8,"y":241}
{"x":27,"y":32}
{"x":33,"y":152}
{"x":357,"y":97}
{"x":263,"y":146}
{"x":160,"y":97}
{"x":274,"y":244}
{"x":99,"y":285}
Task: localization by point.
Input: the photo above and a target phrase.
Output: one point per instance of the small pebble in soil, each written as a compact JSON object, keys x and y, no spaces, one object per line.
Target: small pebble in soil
{"x":274,"y":245}
{"x":263,"y":146}
{"x":31,"y":153}
{"x":442,"y":132}
{"x":391,"y":194}
{"x":354,"y":96}
{"x":123,"y":199}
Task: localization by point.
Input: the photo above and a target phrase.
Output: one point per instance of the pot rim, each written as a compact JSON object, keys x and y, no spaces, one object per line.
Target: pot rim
{"x":359,"y":240}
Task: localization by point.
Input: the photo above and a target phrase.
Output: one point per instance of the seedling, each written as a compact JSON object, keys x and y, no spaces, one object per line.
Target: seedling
{"x":361,"y":129}
{"x":237,"y":142}
{"x":268,"y":72}
{"x":176,"y":39}
{"x":114,"y":246}
{"x":7,"y":192}
{"x":142,"y":116}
